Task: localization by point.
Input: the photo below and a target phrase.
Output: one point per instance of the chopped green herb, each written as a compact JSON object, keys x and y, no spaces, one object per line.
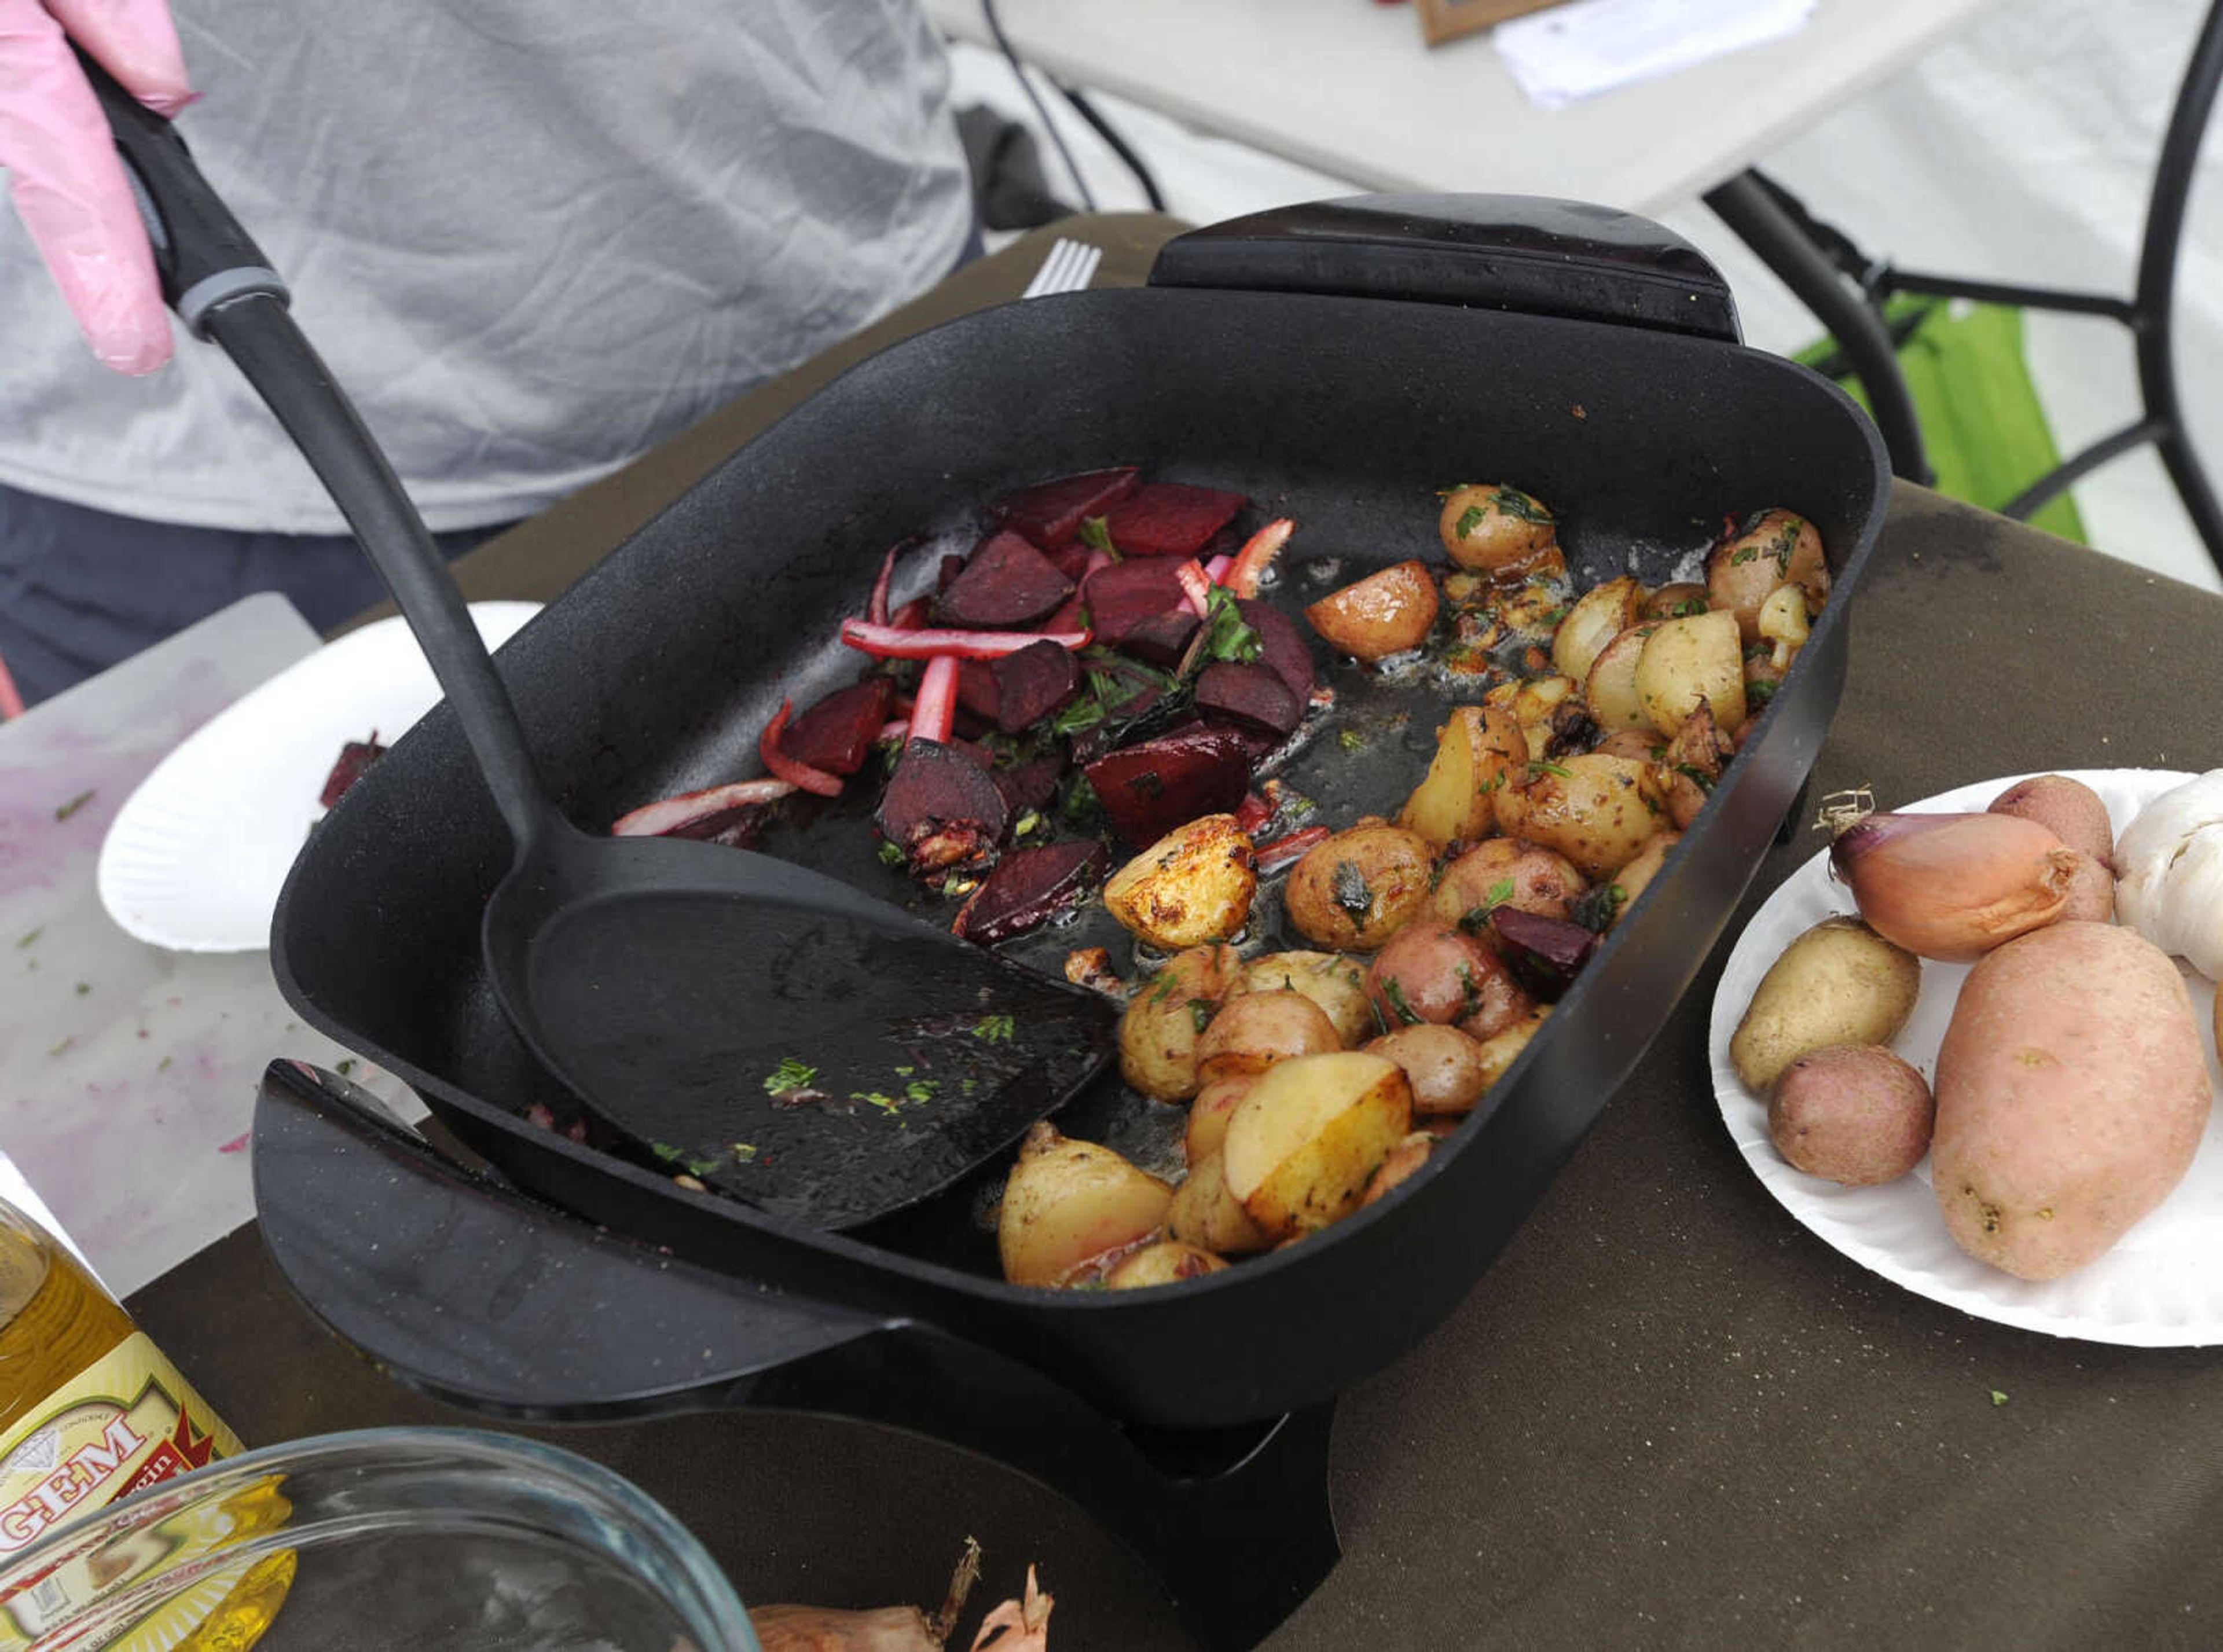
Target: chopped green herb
{"x":1348,"y":887}
{"x":1758,"y":693}
{"x":745,"y":1153}
{"x":29,"y":936}
{"x":83,"y":988}
{"x":1697,"y":777}
{"x":993,"y":1029}
{"x":879,"y":1098}
{"x":665,"y":1151}
{"x":1300,"y":806}
{"x":1469,"y":988}
{"x":905,"y":1072}
{"x":701,"y":1166}
{"x":1394,"y":991}
{"x":1490,"y":784}
{"x":1786,"y":544}
{"x":1737,"y":559}
{"x":1199,"y":1014}
{"x":1469,"y":520}
{"x":891,"y":854}
{"x":1499,"y":893}
{"x":1594,"y":907}
{"x":1538,"y":766}
{"x":1096,"y":534}
{"x":1083,"y":714}
{"x":345,"y":1068}
{"x":921,"y":1090}
{"x":1030,"y":821}
{"x":966,"y":1086}
{"x":1687,"y":608}
{"x":1514,"y":503}
{"x":1167,"y":981}
{"x":63,"y":1045}
{"x":1079,"y":801}
{"x":163,"y":1065}
{"x":790,"y":1074}
{"x":1350,"y":739}
{"x":1998,"y":1398}
{"x":1226,"y":636}
{"x":75,"y":804}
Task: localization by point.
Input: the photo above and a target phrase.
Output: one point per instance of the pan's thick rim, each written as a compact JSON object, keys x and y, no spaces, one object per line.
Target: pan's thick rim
{"x":997,"y":1293}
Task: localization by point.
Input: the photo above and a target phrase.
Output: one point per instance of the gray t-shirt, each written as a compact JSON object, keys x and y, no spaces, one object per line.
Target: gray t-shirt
{"x":531,"y":237}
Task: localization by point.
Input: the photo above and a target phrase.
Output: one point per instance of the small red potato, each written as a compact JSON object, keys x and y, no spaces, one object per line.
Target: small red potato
{"x":1384,"y":613}
{"x":1853,"y":1114}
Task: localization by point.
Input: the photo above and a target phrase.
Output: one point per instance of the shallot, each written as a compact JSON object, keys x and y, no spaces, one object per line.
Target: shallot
{"x":1952,"y":886}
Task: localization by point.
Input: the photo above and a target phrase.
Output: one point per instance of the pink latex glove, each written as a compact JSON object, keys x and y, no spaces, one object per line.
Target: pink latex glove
{"x":61,"y":162}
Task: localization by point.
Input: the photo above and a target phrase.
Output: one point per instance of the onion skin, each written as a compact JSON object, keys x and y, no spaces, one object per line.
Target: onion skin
{"x":1952,"y":886}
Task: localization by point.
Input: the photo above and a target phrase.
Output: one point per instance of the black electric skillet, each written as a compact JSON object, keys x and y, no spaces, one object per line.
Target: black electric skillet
{"x":1340,"y":364}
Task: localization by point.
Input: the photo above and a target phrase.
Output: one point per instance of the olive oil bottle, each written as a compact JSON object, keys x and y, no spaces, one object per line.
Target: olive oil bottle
{"x":90,"y":1412}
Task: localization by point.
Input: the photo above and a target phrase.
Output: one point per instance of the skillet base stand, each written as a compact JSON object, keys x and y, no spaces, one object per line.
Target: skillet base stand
{"x":467,"y":1290}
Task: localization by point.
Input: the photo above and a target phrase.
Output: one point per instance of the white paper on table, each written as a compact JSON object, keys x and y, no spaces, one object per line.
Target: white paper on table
{"x":1592,"y":45}
{"x":19,"y":1193}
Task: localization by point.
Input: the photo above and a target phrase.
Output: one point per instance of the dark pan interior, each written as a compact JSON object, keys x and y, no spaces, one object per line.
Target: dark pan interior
{"x":656,"y":672}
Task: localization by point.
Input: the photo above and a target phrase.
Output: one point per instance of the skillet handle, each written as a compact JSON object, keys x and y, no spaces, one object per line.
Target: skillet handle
{"x":1523,"y":252}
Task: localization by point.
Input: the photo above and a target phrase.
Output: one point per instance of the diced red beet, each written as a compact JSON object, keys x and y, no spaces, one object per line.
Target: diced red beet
{"x":1030,"y":887}
{"x":1162,"y":638}
{"x":952,"y":566}
{"x":1170,"y":518}
{"x":1545,"y":953}
{"x":1254,"y":694}
{"x":940,"y":808}
{"x":981,"y":757}
{"x":978,"y":690}
{"x":1072,"y":559}
{"x":1050,"y":513}
{"x":355,"y":756}
{"x":1029,"y":785}
{"x":1149,"y":790}
{"x":1123,"y":595}
{"x":1007,"y":583}
{"x":1033,"y":683}
{"x":836,"y":734}
{"x":911,"y":616}
{"x":1280,"y":645}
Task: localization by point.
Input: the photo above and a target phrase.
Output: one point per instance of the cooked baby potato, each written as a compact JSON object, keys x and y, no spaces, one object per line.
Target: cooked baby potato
{"x":1205,"y":1214}
{"x":1678,"y":601}
{"x":1167,"y":1262}
{"x":1686,"y":661}
{"x":1354,"y":890}
{"x":1067,"y":1202}
{"x":1303,"y":1144}
{"x":1501,"y":1050}
{"x":1208,"y":1114}
{"x":1597,"y":811}
{"x":1611,"y":688}
{"x":1840,"y":982}
{"x":1771,"y":548}
{"x":1632,"y":879}
{"x":1443,"y":1067}
{"x":1405,"y":1159}
{"x":1254,"y":1030}
{"x":1167,"y":1015}
{"x":1436,"y":972}
{"x":1599,"y":615}
{"x":1336,"y":984}
{"x":1192,"y":886}
{"x":1384,"y":613}
{"x":1495,"y":529}
{"x":1454,"y":803}
{"x":1505,"y":872}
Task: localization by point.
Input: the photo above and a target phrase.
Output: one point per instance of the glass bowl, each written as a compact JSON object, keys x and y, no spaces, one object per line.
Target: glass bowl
{"x":374,"y":1542}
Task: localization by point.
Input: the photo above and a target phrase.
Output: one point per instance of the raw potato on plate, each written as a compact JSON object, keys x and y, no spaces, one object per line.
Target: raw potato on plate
{"x":1840,"y":982}
{"x":2072,"y":1090}
{"x":1853,"y":1114}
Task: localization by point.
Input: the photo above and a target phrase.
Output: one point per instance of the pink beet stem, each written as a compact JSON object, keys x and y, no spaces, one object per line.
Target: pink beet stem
{"x":935,"y":714}
{"x":889,"y":643}
{"x":1196,"y":586}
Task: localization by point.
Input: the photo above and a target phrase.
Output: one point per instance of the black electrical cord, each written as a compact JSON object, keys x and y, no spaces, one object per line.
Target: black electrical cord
{"x":1088,"y":111}
{"x":1042,"y":114}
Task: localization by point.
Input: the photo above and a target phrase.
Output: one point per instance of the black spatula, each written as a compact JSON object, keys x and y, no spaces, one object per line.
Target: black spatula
{"x":759,"y":1026}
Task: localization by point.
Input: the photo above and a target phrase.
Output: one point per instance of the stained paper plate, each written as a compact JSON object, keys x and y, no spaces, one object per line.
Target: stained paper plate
{"x":196,"y":856}
{"x":2162,"y":1285}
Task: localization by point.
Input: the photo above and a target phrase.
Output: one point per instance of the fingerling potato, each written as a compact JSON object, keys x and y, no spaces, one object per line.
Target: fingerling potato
{"x":1254,"y":1030}
{"x":1840,"y":982}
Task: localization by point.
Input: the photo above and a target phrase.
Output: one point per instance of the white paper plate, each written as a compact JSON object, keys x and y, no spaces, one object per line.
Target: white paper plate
{"x":2162,"y":1285}
{"x":196,"y":856}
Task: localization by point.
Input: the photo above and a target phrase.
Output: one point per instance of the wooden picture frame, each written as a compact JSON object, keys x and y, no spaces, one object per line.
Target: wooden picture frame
{"x":1447,"y":20}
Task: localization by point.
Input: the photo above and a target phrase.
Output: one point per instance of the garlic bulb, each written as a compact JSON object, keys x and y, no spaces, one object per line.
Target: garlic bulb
{"x":2168,"y":873}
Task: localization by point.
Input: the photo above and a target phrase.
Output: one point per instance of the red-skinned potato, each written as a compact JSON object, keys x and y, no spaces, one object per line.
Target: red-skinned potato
{"x":1208,"y":1114}
{"x":1596,"y":811}
{"x":1434,"y":972}
{"x":1254,"y":1030}
{"x":1302,"y":1145}
{"x":1443,"y":1065}
{"x":1387,"y":613}
{"x":1505,"y":872}
{"x":1354,"y":890}
{"x":1069,"y":1203}
{"x":1495,"y":529}
{"x":1167,"y":1262}
{"x":1771,"y":548}
{"x":1167,"y":1015}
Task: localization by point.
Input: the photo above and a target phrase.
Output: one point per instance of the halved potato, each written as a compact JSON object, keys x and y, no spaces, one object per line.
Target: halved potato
{"x":1770,"y":548}
{"x":1597,"y":811}
{"x":1336,"y":984}
{"x":1254,"y":1030}
{"x":1453,"y":803}
{"x":1444,"y":1066}
{"x":1406,"y":1156}
{"x":1163,"y":1263}
{"x":1208,"y":1114}
{"x":1192,"y":886}
{"x":1678,"y":601}
{"x":1600,"y":614}
{"x":1632,"y":880}
{"x":1382,"y":614}
{"x":1500,"y":1052}
{"x":1686,"y":661}
{"x":1069,"y":1201}
{"x":1301,"y":1146}
{"x":1206,"y":1215}
{"x":1159,"y":1030}
{"x":1610,"y":689}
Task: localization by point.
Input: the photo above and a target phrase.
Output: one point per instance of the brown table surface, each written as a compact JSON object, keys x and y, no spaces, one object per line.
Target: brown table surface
{"x":1668,"y":1415}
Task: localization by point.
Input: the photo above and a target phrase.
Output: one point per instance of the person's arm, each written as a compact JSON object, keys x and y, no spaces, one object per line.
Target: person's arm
{"x":63,"y":172}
